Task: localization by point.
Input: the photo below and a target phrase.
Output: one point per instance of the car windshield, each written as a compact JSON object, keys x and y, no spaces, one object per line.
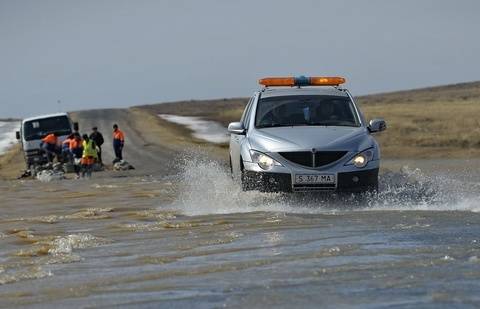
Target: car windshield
{"x":37,"y":129}
{"x":318,"y":110}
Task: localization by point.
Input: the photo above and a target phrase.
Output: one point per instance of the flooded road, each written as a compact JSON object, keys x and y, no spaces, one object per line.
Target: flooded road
{"x":195,"y":239}
{"x":7,"y":134}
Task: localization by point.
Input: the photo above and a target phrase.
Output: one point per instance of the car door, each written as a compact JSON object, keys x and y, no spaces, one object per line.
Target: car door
{"x":236,"y":140}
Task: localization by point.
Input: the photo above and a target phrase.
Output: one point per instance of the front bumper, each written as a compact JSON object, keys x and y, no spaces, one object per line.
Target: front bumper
{"x":352,"y":181}
{"x":35,"y":157}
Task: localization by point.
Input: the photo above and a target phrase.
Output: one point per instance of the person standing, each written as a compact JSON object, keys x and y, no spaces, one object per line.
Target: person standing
{"x":118,"y":143}
{"x":76,"y":149}
{"x":97,"y":137}
{"x":89,"y":156}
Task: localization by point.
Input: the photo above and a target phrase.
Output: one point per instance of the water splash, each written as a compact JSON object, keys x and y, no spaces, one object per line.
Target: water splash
{"x":206,"y":187}
{"x":65,"y":244}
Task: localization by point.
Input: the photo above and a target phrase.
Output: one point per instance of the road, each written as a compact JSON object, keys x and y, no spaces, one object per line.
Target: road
{"x":148,"y":153}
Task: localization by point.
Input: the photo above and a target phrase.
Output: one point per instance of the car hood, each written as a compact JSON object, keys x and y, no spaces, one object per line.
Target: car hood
{"x":308,"y":137}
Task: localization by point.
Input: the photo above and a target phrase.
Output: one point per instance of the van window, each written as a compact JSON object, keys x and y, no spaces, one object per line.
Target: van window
{"x":39,"y":128}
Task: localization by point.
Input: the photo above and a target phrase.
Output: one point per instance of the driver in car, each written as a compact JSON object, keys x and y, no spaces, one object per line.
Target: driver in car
{"x":324,"y":112}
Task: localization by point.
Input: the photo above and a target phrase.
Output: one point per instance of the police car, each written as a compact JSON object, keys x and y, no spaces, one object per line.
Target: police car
{"x":304,"y":134}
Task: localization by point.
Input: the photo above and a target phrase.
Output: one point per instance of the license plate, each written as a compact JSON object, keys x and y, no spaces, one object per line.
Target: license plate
{"x":315,"y":179}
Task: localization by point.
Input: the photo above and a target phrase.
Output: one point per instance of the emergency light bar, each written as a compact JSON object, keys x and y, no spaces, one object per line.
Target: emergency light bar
{"x":301,"y":81}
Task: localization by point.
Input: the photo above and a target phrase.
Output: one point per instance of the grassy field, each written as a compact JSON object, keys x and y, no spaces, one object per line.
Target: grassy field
{"x":11,"y":163}
{"x":220,"y":110}
{"x":436,"y":122}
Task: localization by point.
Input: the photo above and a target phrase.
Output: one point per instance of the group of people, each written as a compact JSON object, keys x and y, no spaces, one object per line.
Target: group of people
{"x":82,"y":151}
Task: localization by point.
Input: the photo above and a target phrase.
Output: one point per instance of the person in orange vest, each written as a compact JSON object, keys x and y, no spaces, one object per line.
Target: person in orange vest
{"x":66,"y":154}
{"x":49,"y":145}
{"x":76,"y":149}
{"x":118,"y":143}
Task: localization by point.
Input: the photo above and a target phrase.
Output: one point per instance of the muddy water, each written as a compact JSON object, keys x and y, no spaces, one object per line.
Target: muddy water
{"x":195,"y":240}
{"x":7,"y":134}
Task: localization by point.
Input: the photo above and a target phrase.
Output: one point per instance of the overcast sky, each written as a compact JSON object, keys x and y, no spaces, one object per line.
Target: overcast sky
{"x":93,"y":54}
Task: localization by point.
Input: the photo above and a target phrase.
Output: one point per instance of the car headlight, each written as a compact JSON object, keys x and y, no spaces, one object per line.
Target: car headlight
{"x":265,"y":162}
{"x":361,"y":159}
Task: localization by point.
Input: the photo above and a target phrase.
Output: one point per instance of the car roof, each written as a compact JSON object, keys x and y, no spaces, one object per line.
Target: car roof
{"x":287,"y":91}
{"x":44,"y":116}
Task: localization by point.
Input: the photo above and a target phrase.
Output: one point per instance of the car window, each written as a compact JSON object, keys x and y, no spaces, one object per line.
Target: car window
{"x":246,"y":113}
{"x":319,"y":110}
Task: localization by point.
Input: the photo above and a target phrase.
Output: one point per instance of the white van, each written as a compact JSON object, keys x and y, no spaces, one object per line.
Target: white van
{"x":34,"y":129}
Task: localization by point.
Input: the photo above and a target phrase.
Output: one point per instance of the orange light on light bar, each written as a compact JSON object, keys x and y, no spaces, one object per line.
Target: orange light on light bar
{"x":277,"y":81}
{"x":301,"y":81}
{"x":326,"y":81}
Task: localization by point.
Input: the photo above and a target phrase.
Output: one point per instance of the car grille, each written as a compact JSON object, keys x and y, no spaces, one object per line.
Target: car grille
{"x":313,"y":159}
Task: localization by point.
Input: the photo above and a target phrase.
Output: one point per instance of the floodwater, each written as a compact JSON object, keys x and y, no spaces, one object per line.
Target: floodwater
{"x":7,"y":134}
{"x":195,"y":240}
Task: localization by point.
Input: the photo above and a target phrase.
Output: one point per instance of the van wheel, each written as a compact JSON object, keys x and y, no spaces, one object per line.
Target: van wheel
{"x":33,"y":170}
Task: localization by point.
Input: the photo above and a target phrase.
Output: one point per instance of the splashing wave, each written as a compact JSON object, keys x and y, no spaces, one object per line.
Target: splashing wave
{"x":206,"y":187}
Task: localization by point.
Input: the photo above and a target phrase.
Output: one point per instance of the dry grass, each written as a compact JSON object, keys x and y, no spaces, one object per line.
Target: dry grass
{"x":11,"y":163}
{"x":157,"y":131}
{"x":437,"y":122}
{"x":433,"y":130}
{"x":221,"y":110}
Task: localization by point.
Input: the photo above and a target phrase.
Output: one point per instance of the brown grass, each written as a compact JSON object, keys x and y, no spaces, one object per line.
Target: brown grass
{"x":11,"y":163}
{"x":221,"y":110}
{"x":436,"y":122}
{"x":169,"y":135}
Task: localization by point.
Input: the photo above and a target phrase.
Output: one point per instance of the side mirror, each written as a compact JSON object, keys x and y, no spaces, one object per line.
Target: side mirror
{"x":75,"y":126}
{"x":17,"y":134}
{"x":236,"y":128}
{"x":377,"y":125}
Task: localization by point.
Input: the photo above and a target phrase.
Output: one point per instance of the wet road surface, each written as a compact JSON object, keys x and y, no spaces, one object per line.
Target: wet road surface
{"x":193,"y":239}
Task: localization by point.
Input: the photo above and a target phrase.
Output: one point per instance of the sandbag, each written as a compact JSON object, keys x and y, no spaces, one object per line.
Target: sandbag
{"x":122,"y":166}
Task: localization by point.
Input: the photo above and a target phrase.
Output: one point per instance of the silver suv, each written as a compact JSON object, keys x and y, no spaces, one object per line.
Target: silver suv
{"x":304,"y":134}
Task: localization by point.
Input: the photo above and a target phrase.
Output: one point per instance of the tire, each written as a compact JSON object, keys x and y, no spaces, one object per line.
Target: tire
{"x":33,"y":170}
{"x":246,"y":186}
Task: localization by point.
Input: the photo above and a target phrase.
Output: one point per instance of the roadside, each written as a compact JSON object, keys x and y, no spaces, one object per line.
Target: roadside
{"x":12,"y":163}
